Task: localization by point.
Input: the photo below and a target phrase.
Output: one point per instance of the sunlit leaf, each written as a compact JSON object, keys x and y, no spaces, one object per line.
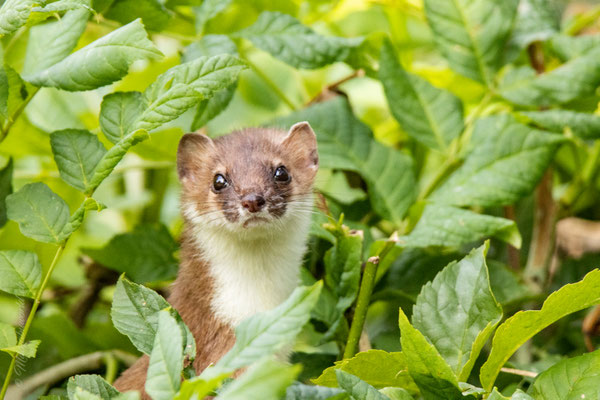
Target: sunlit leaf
{"x":28,"y":349}
{"x":14,"y":14}
{"x":81,"y":385}
{"x":207,"y":11}
{"x":118,"y":114}
{"x":537,"y":20}
{"x":299,"y":391}
{"x":357,"y":388}
{"x":153,"y":13}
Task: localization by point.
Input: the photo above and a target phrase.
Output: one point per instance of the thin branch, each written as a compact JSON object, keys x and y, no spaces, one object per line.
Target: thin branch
{"x":520,"y":372}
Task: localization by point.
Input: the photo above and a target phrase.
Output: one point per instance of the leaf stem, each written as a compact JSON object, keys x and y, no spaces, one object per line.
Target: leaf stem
{"x":13,"y":118}
{"x":34,"y":307}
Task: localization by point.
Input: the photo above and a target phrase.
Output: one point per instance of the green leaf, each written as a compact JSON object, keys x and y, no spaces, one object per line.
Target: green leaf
{"x":41,"y":214}
{"x":472,"y":34}
{"x":21,"y":272}
{"x":208,"y":46}
{"x":207,"y":11}
{"x":76,"y":219}
{"x":334,"y":184}
{"x":285,"y":38}
{"x":584,"y":125}
{"x":134,"y":313}
{"x":537,"y":20}
{"x":183,"y":86}
{"x":154,"y":14}
{"x":266,"y":380}
{"x":358,"y":389}
{"x":525,"y":324}
{"x":378,"y":368}
{"x":14,"y":14}
{"x":52,"y":41}
{"x":573,"y":378}
{"x":442,"y":225}
{"x":299,"y":391}
{"x":198,"y":388}
{"x":146,"y":254}
{"x":346,"y":143}
{"x":209,"y":109}
{"x":567,"y":47}
{"x":507,"y":161}
{"x":112,"y":157}
{"x":80,"y":386}
{"x":112,"y":55}
{"x":343,"y":265}
{"x":6,"y":173}
{"x":28,"y":349}
{"x":457,"y":311}
{"x":118,"y":114}
{"x":8,"y":336}
{"x":265,"y":333}
{"x":77,"y":153}
{"x":13,"y":93}
{"x":166,"y":360}
{"x":430,"y":115}
{"x":433,"y":376}
{"x":574,"y":79}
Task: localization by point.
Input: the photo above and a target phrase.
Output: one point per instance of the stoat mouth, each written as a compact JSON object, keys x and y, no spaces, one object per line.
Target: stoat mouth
{"x":254,"y":220}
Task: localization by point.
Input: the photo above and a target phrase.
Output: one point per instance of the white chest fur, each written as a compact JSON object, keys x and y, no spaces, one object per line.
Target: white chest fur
{"x":252,"y":275}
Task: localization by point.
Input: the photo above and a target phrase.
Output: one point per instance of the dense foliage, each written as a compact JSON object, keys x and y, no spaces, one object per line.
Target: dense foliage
{"x":453,"y":137}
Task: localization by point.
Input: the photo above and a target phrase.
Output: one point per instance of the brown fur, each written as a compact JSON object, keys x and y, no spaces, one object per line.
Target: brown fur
{"x":247,"y":159}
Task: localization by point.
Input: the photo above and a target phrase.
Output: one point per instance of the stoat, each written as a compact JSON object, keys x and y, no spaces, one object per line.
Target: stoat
{"x":246,"y":204}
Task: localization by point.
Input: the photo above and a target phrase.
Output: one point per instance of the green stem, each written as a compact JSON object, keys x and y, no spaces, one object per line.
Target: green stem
{"x":34,"y":307}
{"x":362,"y":305}
{"x":441,"y":174}
{"x":268,"y":81}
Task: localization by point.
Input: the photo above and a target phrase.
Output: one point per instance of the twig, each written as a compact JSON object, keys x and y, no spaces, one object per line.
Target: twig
{"x":590,"y":326}
{"x":332,"y":90}
{"x":58,"y":372}
{"x":520,"y":372}
{"x":514,"y":256}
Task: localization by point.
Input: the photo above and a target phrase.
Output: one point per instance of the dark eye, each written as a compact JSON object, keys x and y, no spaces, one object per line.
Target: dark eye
{"x":219,"y":182}
{"x":281,"y":175}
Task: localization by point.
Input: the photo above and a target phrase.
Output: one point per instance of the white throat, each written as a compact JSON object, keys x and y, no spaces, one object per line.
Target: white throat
{"x":251,"y":275}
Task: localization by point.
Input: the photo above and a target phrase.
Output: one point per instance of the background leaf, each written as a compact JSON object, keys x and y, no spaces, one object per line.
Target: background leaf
{"x":79,"y":385}
{"x":584,"y":125}
{"x":6,"y":173}
{"x":358,"y":389}
{"x":21,"y":272}
{"x":14,"y":14}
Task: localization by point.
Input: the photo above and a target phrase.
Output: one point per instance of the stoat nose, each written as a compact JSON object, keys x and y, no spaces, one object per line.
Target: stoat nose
{"x":253,"y":202}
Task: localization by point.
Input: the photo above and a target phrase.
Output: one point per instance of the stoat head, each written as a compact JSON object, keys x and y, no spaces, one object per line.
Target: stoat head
{"x":249,"y":182}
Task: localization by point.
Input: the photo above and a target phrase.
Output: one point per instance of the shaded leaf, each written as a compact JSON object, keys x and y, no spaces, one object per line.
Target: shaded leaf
{"x":118,"y":114}
{"x":77,"y":153}
{"x":152,"y":12}
{"x":567,"y":47}
{"x":6,"y":173}
{"x":21,"y":272}
{"x":13,"y":93}
{"x":299,"y":391}
{"x":430,"y":115}
{"x":537,"y":20}
{"x":112,"y":55}
{"x":584,"y":125}
{"x":81,"y":385}
{"x":472,"y":34}
{"x":28,"y":349}
{"x":505,"y":164}
{"x":285,"y":38}
{"x":525,"y":324}
{"x":208,"y":46}
{"x":358,"y":389}
{"x":442,"y":225}
{"x":457,"y":311}
{"x":41,"y":214}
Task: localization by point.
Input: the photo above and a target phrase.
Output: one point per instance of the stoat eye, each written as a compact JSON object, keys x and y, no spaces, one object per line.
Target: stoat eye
{"x":219,"y":182}
{"x":281,"y":175}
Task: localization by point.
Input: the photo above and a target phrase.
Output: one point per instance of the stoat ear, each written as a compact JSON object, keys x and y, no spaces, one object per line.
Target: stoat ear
{"x":302,"y":141}
{"x":193,"y":149}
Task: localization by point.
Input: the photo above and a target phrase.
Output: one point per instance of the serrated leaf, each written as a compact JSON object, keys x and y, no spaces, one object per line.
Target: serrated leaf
{"x":166,"y":360}
{"x":576,"y":78}
{"x":52,"y":41}
{"x":28,"y":349}
{"x":77,"y":153}
{"x":458,"y":312}
{"x":6,"y":173}
{"x":433,"y":376}
{"x":507,"y":161}
{"x":183,"y":86}
{"x":41,"y":214}
{"x":118,"y":114}
{"x":537,"y":20}
{"x":21,"y":272}
{"x":343,"y":266}
{"x":265,"y":333}
{"x":573,"y":378}
{"x":207,"y":11}
{"x":525,"y":324}
{"x":8,"y":336}
{"x":567,"y":47}
{"x":348,"y":144}
{"x":144,"y":255}
{"x":265,"y":380}
{"x":430,"y":115}
{"x":299,"y":391}
{"x":14,"y":14}
{"x":80,"y":386}
{"x":285,"y":38}
{"x":448,"y":226}
{"x":112,"y":55}
{"x":378,"y":368}
{"x":356,"y":388}
{"x":135,"y":311}
{"x":112,"y":157}
{"x":584,"y":125}
{"x":472,"y":34}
